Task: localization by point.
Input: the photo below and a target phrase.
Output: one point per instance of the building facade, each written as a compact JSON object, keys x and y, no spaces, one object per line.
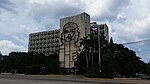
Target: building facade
{"x":66,"y":40}
{"x":102,"y":28}
{"x":104,"y":31}
{"x":46,"y":42}
{"x":71,"y":30}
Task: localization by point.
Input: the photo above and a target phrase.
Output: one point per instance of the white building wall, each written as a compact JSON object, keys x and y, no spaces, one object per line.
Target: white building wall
{"x":45,"y":42}
{"x":68,"y":50}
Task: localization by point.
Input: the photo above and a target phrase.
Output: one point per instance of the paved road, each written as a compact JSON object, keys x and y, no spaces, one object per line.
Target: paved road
{"x":23,"y":81}
{"x":67,"y":79}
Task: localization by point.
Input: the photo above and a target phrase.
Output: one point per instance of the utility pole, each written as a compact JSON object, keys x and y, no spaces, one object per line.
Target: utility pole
{"x":87,"y":64}
{"x":99,"y":48}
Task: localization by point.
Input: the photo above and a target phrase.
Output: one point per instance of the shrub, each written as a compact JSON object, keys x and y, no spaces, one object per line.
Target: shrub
{"x":92,"y":74}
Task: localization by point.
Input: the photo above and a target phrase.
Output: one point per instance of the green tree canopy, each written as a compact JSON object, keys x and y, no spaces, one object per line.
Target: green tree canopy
{"x":116,"y":59}
{"x":31,"y":63}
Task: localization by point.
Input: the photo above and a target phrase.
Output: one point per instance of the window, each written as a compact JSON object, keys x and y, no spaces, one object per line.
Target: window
{"x":52,"y":32}
{"x":102,"y":31}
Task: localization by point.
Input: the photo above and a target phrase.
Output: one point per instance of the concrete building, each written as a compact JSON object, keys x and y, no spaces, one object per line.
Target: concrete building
{"x":71,"y":30}
{"x":45,"y":42}
{"x":103,"y":29}
{"x":65,"y":41}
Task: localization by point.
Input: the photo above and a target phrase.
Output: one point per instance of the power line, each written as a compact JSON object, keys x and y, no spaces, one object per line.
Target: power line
{"x":134,"y":42}
{"x":142,"y":50}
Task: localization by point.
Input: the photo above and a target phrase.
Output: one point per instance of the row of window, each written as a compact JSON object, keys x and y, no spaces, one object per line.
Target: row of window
{"x":45,"y":41}
{"x":35,"y":36}
{"x":44,"y":34}
{"x":45,"y":52}
{"x":101,"y":26}
{"x":55,"y":45}
{"x":45,"y":37}
{"x":42,"y":40}
{"x":38,"y":49}
{"x":44,"y":46}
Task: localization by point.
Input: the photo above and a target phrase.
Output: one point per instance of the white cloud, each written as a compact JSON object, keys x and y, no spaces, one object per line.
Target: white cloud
{"x":8,"y":46}
{"x":8,"y":5}
{"x":128,"y":20}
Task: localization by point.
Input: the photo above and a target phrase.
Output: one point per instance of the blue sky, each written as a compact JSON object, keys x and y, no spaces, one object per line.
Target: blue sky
{"x":128,"y":20}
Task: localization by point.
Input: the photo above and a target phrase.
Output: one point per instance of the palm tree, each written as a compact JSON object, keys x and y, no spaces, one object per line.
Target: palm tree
{"x":89,"y":44}
{"x":85,"y":43}
{"x":89,"y":41}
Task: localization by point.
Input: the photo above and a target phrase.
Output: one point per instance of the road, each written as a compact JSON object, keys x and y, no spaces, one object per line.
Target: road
{"x":23,"y":81}
{"x":66,"y":79}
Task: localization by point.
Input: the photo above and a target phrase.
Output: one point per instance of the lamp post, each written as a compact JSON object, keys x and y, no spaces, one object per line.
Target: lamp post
{"x":87,"y":64}
{"x":99,"y":48}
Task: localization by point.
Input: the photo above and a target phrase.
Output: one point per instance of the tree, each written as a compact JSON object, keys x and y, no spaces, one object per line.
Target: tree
{"x":89,"y":54}
{"x":111,"y":41}
{"x":31,"y":63}
{"x":108,"y":64}
{"x":128,"y":64}
{"x":116,"y":59}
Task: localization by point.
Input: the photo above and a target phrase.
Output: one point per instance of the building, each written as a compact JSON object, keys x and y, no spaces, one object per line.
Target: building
{"x":46,"y":42}
{"x":71,"y":30}
{"x":103,"y":29}
{"x":65,"y":41}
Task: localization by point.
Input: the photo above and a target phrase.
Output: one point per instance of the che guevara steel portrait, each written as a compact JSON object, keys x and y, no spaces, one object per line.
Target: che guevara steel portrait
{"x":70,"y":33}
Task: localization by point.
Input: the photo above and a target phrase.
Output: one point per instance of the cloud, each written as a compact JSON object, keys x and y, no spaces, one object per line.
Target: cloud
{"x":20,"y":23}
{"x":8,"y":5}
{"x":131,"y":21}
{"x":106,"y":10}
{"x":128,"y":20}
{"x":48,"y":13}
{"x":31,"y":17}
{"x":8,"y":46}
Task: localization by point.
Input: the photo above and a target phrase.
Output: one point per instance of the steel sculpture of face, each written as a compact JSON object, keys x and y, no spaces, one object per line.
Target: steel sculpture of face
{"x":70,"y":32}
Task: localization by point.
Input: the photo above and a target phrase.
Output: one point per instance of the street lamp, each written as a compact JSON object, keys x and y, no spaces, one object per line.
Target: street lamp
{"x":99,"y":47}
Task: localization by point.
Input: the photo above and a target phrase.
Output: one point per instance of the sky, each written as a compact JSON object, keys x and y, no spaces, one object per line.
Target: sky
{"x":128,"y":20}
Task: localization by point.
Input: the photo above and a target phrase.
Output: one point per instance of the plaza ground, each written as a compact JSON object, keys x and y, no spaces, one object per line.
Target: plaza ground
{"x":63,"y":79}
